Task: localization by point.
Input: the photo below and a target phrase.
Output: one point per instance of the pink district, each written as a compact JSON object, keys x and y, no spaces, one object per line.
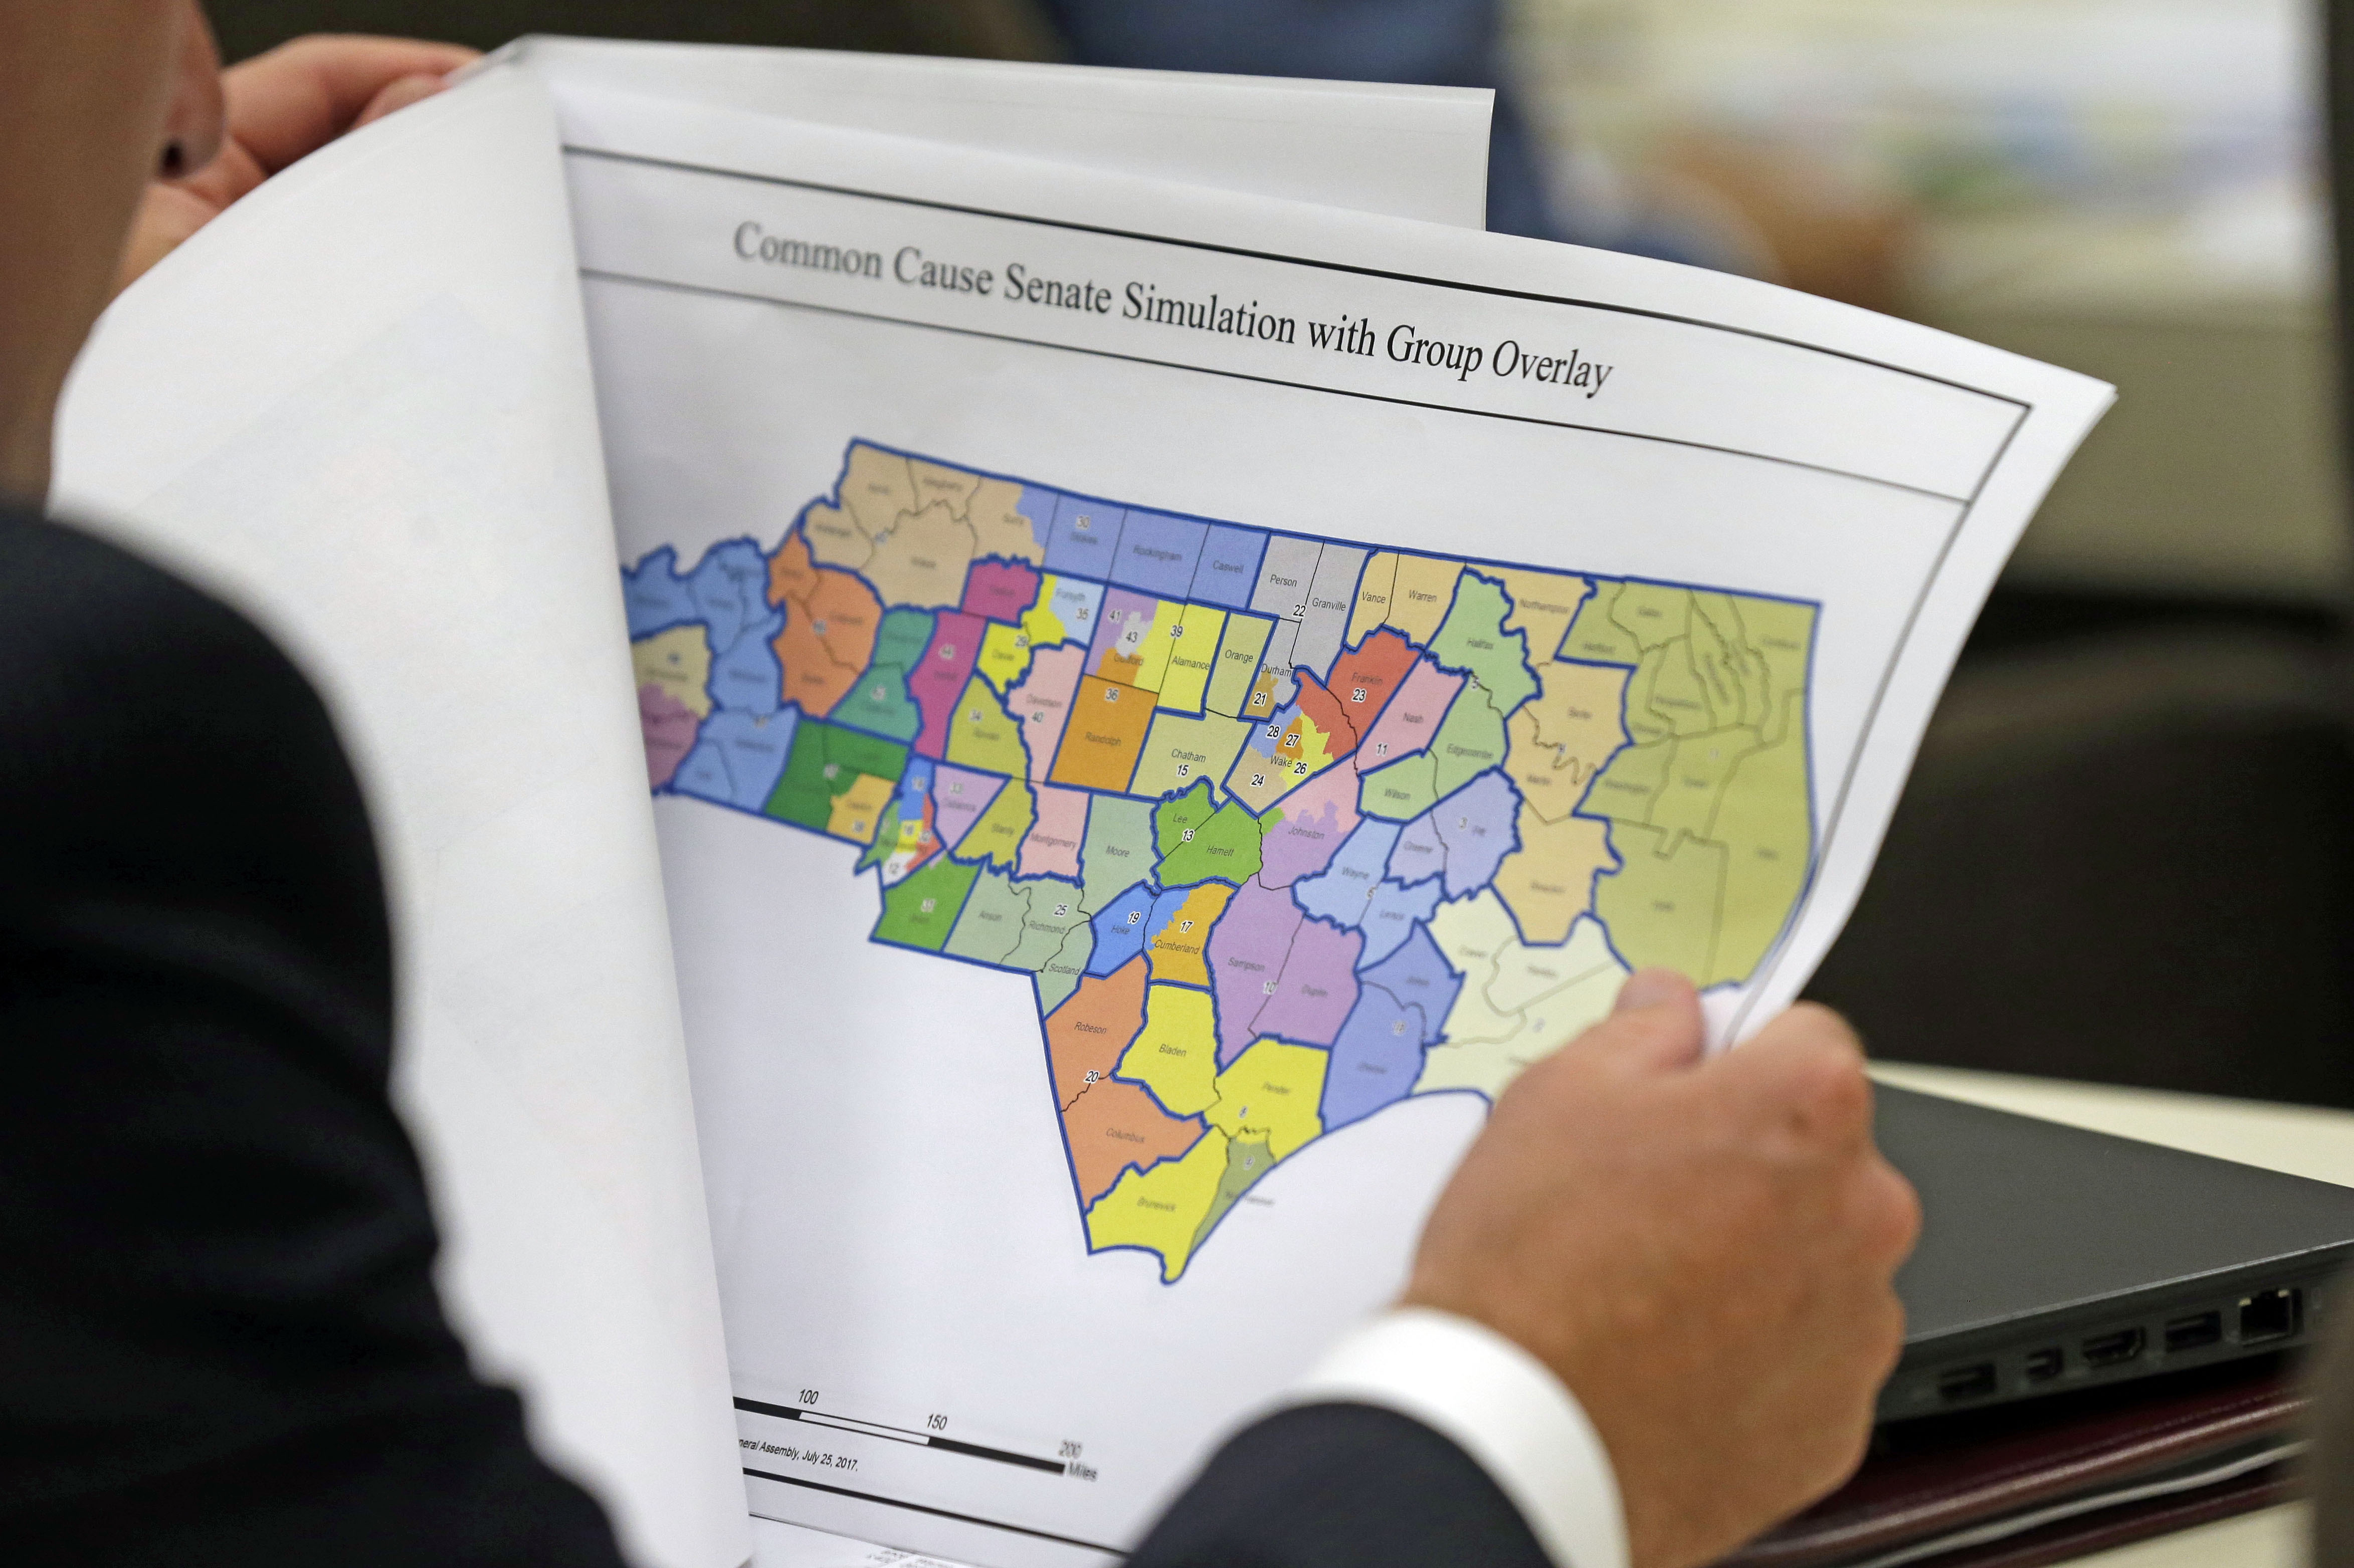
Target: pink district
{"x":1410,"y":721}
{"x":999,"y":590}
{"x":1042,"y":703}
{"x":940,"y":676}
{"x":1317,"y":818}
{"x":1275,"y":971}
{"x":1052,"y":848}
{"x":670,"y":727}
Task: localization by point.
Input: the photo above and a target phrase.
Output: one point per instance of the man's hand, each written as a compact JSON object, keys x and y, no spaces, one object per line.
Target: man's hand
{"x":283,"y":106}
{"x":1701,"y":1250}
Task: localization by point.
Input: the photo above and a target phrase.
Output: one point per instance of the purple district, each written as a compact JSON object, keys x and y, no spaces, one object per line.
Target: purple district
{"x":738,"y":756}
{"x":1266,"y":737}
{"x":1247,"y":948}
{"x":1315,"y":822}
{"x":1421,"y":853}
{"x":1394,"y":914}
{"x":1376,"y":1059}
{"x":958,"y":797}
{"x":1121,"y":609}
{"x":655,"y":596}
{"x":730,"y":587}
{"x":746,"y":678}
{"x":1465,"y":837}
{"x":1229,"y":567}
{"x":1037,"y":507}
{"x":1341,"y":894}
{"x":1084,"y":540}
{"x":1158,"y":552}
{"x":669,"y":727}
{"x":1417,"y":975}
{"x":1121,"y":926}
{"x":1318,"y":988}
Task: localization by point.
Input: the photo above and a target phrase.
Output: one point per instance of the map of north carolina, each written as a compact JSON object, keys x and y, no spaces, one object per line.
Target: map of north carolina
{"x":1283,"y":829}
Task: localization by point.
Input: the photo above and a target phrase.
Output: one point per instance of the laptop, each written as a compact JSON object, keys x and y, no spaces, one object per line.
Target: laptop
{"x":2054,"y":1259}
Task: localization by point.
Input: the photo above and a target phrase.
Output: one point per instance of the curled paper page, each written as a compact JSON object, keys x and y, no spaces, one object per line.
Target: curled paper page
{"x":1411,"y":152}
{"x":358,"y":406}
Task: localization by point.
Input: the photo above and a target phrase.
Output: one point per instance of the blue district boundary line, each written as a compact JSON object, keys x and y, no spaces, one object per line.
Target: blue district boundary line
{"x":1050,"y":498}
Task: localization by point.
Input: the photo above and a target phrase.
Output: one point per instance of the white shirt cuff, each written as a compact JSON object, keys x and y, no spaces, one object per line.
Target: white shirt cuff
{"x":1498,"y":1403}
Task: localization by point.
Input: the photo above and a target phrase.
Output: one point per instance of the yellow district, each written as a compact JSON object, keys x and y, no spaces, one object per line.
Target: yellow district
{"x":1180,"y":751}
{"x":1566,"y":1013}
{"x":1518,"y":1003}
{"x":1004,"y":656}
{"x":1526,"y":976}
{"x":1764,"y":814}
{"x":1177,"y":949}
{"x":983,"y":735}
{"x":917,"y":845}
{"x":679,"y":662}
{"x":1548,"y":882}
{"x":1697,"y":770}
{"x":1162,"y":1208}
{"x":914,"y":833}
{"x":1490,"y":1065}
{"x":1474,"y":933}
{"x":1272,"y":1092}
{"x":1300,"y":755}
{"x":1237,"y":661}
{"x":1563,"y":735}
{"x":1152,"y":652}
{"x":1374,"y":591}
{"x":1193,"y":645}
{"x":999,"y":834}
{"x":1425,"y":592}
{"x":1312,"y":750}
{"x":857,"y":812}
{"x":1651,"y":614}
{"x":1040,"y":624}
{"x":1176,"y":1055}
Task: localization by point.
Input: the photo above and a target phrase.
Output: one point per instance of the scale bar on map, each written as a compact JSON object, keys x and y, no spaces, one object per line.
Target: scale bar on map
{"x":901,"y":1434}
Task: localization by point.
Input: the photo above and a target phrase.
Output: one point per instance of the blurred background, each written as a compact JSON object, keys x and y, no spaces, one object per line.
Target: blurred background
{"x":2127,"y":851}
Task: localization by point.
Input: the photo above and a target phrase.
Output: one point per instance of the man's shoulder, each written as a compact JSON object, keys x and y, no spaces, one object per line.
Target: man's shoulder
{"x":155,"y":745}
{"x":69,"y":601}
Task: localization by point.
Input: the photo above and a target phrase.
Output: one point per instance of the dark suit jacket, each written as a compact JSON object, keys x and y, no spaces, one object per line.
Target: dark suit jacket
{"x":219,"y":1341}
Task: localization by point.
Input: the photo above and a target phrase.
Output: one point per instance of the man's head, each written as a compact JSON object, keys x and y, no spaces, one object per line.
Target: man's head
{"x":95,"y":97}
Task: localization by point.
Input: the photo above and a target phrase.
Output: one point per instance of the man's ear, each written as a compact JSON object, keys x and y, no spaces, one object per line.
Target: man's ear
{"x":195,"y":126}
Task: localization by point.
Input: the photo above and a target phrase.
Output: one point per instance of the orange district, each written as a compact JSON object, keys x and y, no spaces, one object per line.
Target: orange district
{"x":1104,"y":736}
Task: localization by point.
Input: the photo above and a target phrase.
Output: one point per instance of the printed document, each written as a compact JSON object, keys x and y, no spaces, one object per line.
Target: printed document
{"x":1037,"y":744}
{"x":1159,"y":706}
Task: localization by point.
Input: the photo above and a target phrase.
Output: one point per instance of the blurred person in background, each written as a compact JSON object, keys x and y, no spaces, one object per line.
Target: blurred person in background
{"x":1709,"y":201}
{"x":1712,"y":201}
